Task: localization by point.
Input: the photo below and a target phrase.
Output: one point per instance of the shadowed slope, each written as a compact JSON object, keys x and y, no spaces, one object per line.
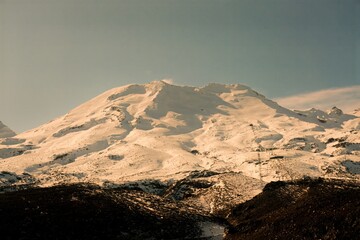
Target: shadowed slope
{"x":307,"y":209}
{"x":5,"y":131}
{"x":89,"y":212}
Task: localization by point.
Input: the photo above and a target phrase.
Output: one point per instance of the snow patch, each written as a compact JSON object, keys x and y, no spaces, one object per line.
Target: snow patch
{"x":211,"y":230}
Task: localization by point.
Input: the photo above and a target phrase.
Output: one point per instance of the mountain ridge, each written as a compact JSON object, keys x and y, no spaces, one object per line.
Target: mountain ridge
{"x":163,"y":131}
{"x":5,"y":131}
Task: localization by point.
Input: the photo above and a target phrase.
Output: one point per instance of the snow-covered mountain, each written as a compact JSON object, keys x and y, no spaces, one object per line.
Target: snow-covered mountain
{"x":5,"y":131}
{"x":165,"y":132}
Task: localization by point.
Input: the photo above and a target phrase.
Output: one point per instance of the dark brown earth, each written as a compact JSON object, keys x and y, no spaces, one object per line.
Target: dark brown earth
{"x":306,"y":209}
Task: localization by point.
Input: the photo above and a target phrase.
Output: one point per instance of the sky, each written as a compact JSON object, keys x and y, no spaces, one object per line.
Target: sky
{"x":345,"y":98}
{"x":57,"y":54}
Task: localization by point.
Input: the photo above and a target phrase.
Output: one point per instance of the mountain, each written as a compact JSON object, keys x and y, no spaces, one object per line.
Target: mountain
{"x":183,"y":162}
{"x":5,"y":131}
{"x":166,"y":132}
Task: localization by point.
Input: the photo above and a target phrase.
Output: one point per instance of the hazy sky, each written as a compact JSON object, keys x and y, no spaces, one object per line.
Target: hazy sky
{"x":56,"y":54}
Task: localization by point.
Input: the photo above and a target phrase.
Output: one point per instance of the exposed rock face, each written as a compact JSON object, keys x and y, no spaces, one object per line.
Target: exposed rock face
{"x":335,"y":112}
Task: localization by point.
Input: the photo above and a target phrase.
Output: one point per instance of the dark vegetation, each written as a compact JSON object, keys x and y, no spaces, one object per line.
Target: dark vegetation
{"x":306,"y":209}
{"x":303,"y":209}
{"x":89,"y":212}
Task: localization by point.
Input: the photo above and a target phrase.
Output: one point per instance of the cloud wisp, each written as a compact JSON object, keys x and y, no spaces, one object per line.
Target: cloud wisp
{"x":346,"y":98}
{"x":168,"y":80}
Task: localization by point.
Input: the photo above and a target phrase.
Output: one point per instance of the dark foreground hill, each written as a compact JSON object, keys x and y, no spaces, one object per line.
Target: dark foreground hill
{"x":306,"y":209}
{"x":89,"y":212}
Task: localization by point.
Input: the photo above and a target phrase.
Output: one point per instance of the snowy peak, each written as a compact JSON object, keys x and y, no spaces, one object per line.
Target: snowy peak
{"x":158,"y":99}
{"x":163,"y":131}
{"x":5,"y":131}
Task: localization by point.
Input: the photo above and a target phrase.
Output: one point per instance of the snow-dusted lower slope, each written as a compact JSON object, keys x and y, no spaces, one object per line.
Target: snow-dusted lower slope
{"x":5,"y":131}
{"x":163,"y":131}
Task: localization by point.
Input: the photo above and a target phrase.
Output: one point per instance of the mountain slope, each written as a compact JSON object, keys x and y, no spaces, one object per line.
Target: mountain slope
{"x":162,"y":131}
{"x":5,"y":131}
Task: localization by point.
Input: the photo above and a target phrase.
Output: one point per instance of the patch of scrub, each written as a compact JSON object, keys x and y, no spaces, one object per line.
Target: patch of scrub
{"x":11,"y":179}
{"x":152,"y":186}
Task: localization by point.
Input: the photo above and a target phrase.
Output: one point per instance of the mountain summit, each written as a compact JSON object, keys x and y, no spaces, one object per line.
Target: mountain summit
{"x":163,"y":131}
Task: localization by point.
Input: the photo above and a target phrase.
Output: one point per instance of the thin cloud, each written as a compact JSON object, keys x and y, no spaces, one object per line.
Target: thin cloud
{"x":347,"y":99}
{"x":168,"y":80}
